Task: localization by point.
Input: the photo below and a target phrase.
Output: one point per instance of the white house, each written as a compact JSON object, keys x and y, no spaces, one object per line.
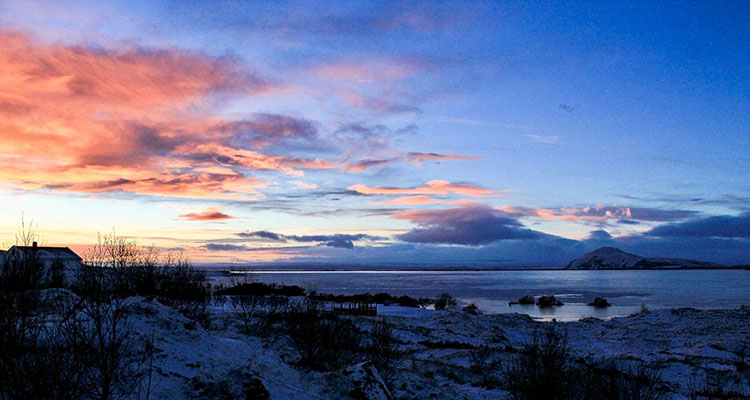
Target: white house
{"x":48,"y":256}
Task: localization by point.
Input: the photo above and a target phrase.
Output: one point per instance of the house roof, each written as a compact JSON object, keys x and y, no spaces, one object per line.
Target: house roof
{"x":48,"y":251}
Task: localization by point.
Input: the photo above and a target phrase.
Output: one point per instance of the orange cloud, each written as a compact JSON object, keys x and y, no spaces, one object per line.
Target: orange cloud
{"x":436,"y":187}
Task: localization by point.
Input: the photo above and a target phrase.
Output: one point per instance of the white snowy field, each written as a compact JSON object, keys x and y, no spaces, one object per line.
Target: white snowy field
{"x":436,"y":348}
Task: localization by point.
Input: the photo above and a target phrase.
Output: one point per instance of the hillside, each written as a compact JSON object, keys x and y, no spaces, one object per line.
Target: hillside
{"x":612,"y":258}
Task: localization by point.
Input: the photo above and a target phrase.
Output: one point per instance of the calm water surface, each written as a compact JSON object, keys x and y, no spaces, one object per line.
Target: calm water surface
{"x":492,"y":290}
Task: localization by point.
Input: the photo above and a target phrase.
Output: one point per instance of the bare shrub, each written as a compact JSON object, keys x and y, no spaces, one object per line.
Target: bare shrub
{"x":237,"y":384}
{"x":60,"y":349}
{"x":181,"y":286}
{"x":742,"y":357}
{"x":43,"y":362}
{"x":424,"y":302}
{"x":21,"y":328}
{"x":324,"y":341}
{"x":446,"y":302}
{"x":483,"y":363}
{"x":108,"y":337}
{"x":63,"y":351}
{"x":480,"y":358}
{"x":472,"y":309}
{"x":21,"y":272}
{"x":219,"y":299}
{"x":623,"y":381}
{"x":542,"y":370}
{"x":276,"y":307}
{"x":717,"y":385}
{"x":123,"y":268}
{"x":383,"y":346}
{"x":245,"y":303}
{"x":247,"y":307}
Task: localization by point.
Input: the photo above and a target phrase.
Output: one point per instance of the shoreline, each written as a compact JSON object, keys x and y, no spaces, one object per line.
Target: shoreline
{"x":249,"y":270}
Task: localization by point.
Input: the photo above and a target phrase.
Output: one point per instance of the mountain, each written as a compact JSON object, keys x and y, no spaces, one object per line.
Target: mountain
{"x":605,"y":258}
{"x":612,"y":258}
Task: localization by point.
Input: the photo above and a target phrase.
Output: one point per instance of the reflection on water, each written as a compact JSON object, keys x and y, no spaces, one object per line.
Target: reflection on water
{"x":492,"y":290}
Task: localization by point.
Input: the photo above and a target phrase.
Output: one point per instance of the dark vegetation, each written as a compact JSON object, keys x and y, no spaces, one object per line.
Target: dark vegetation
{"x":446,"y":302}
{"x":545,"y":369}
{"x":63,"y":344}
{"x":526,"y":300}
{"x":120,"y":268}
{"x":237,"y":385}
{"x":472,"y":309}
{"x":379,"y":298}
{"x":248,"y":288}
{"x":324,"y":341}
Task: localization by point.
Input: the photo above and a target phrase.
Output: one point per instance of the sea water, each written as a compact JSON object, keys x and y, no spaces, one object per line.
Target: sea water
{"x":491,"y":291}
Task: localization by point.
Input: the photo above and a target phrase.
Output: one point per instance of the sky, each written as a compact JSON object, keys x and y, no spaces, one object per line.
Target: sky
{"x":379,"y":133}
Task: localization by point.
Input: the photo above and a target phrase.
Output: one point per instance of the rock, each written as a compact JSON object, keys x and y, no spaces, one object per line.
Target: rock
{"x":471,"y":309}
{"x":367,"y":382}
{"x":599,"y":303}
{"x":526,"y":300}
{"x":548,"y":301}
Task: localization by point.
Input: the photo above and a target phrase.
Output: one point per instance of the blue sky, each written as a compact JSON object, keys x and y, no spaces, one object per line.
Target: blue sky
{"x":380,"y":132}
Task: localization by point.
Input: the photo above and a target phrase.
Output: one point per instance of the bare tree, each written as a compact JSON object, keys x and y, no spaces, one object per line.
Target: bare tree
{"x":247,"y":306}
{"x":27,"y":234}
{"x":111,"y":375}
{"x":383,"y":347}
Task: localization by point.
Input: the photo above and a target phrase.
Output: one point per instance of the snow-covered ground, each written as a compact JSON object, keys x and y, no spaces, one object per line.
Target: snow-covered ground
{"x":436,"y":347}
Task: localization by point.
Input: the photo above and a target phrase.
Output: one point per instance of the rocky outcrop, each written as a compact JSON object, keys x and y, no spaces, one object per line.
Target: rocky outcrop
{"x":599,"y":302}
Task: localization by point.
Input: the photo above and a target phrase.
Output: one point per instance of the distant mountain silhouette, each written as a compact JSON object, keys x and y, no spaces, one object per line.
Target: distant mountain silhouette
{"x":612,"y":258}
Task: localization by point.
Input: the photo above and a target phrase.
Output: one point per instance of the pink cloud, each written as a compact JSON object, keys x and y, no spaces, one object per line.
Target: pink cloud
{"x":135,"y":120}
{"x":303,"y":185}
{"x":96,"y":120}
{"x":410,"y":200}
{"x":436,"y":187}
{"x":600,"y":214}
{"x":414,"y":158}
{"x":359,"y":72}
{"x":529,"y":212}
{"x":209,"y":214}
